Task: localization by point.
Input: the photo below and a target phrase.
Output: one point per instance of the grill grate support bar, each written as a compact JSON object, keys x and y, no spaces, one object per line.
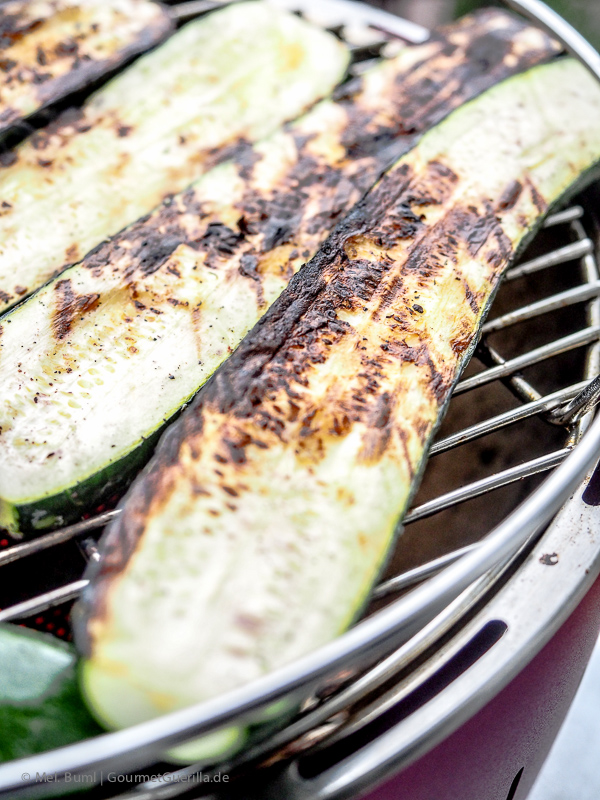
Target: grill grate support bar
{"x":570,"y":252}
{"x":544,"y":404}
{"x":41,"y":543}
{"x":44,"y":601}
{"x":485,"y":485}
{"x":508,"y":368}
{"x":578,"y":294}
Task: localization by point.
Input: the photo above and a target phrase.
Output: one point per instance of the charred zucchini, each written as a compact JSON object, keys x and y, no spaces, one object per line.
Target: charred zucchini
{"x":40,"y":703}
{"x":95,"y":363}
{"x":262,"y":521}
{"x":239,"y":72}
{"x":50,"y":50}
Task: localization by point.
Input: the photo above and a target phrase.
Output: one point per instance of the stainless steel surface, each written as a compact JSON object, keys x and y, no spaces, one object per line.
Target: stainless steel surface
{"x":563,"y":345}
{"x":34,"y":546}
{"x":418,"y":574}
{"x":388,"y":641}
{"x":569,"y":297}
{"x":579,"y":406}
{"x":43,"y":601}
{"x":539,"y":406}
{"x":486,"y":485}
{"x":569,"y":252}
{"x":567,"y":215}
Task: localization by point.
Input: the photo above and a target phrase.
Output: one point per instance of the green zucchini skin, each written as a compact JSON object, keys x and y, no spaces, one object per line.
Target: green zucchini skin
{"x":263,"y":519}
{"x":40,"y":703}
{"x":52,"y":49}
{"x":239,"y":72}
{"x":99,"y":359}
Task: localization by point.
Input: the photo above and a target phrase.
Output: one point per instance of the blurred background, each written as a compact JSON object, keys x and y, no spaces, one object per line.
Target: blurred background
{"x":583,"y":14}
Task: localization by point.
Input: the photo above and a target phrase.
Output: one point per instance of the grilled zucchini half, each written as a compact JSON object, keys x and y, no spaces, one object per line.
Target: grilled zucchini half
{"x":51,"y":49}
{"x":40,"y":703}
{"x":264,"y":518}
{"x":239,"y":72}
{"x":94,"y":363}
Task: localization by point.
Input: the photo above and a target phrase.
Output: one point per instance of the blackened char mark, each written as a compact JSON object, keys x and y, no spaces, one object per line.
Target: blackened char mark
{"x":150,"y":251}
{"x":439,"y":245}
{"x":84,"y":70}
{"x":272,"y":216}
{"x":9,"y":114}
{"x":382,"y":411}
{"x":14,"y":27}
{"x":476,"y":228}
{"x":361,"y":279}
{"x":241,"y":151}
{"x":69,"y":306}
{"x":154,"y":250}
{"x":149,"y":242}
{"x":71,"y":120}
{"x":248,"y":268}
{"x":537,"y":198}
{"x":279,"y":350}
{"x":328,"y":282}
{"x":282,"y":216}
{"x":398,"y":199}
{"x":221,"y":238}
{"x":488,"y":52}
{"x":8,"y":158}
{"x":471,"y":299}
{"x":510,"y":196}
{"x":379,"y":429}
{"x":432,"y":87}
{"x":438,"y":384}
{"x":402,"y":223}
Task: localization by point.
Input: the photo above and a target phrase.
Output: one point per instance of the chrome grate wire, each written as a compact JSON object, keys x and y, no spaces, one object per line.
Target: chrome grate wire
{"x":329,"y":717}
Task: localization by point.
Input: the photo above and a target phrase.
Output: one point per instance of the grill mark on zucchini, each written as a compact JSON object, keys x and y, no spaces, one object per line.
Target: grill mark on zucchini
{"x":265,"y":214}
{"x":329,"y":403}
{"x":50,"y":50}
{"x":69,"y":306}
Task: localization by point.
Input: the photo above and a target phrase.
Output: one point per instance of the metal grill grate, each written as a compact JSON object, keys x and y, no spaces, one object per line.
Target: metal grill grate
{"x":567,"y":249}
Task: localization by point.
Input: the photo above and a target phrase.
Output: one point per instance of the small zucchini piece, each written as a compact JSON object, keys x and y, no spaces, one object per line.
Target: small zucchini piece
{"x":237,"y":73}
{"x":50,"y":50}
{"x":40,"y":703}
{"x":95,"y":363}
{"x":264,"y":518}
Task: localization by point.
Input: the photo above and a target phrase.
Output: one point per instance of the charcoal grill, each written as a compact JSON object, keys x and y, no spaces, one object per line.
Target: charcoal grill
{"x":461,"y":613}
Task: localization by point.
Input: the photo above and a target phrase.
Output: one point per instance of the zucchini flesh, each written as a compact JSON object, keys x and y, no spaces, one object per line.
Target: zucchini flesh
{"x":239,"y":72}
{"x":51,"y":49}
{"x":97,"y":360}
{"x":40,"y":703}
{"x":265,"y":515}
